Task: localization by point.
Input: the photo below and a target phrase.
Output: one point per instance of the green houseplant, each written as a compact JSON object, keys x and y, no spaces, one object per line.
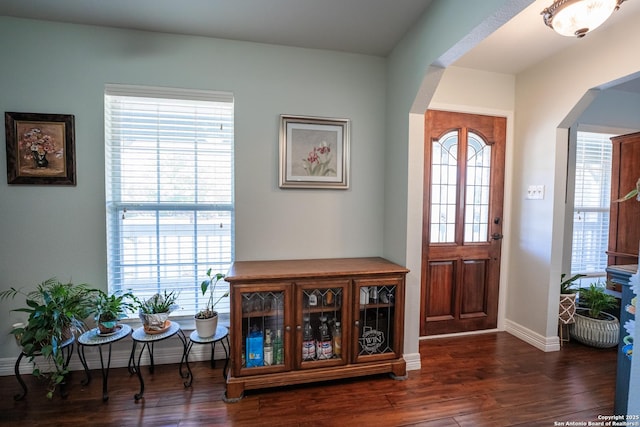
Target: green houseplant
{"x":154,"y":312}
{"x":593,"y":326}
{"x":108,"y":309}
{"x":207,"y":318}
{"x":55,"y":310}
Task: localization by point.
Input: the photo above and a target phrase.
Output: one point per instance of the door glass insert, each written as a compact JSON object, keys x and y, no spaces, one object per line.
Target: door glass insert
{"x":377,"y":311}
{"x":444,"y":176}
{"x":476,"y":221}
{"x":322,"y":324}
{"x":262,"y":329}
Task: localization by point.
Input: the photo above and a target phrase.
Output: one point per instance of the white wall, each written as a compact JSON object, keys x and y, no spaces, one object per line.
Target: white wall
{"x":442,"y":34}
{"x":62,"y":68}
{"x":545,"y":99}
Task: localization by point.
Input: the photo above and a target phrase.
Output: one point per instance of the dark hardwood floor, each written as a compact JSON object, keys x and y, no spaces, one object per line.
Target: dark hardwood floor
{"x":483,"y":380}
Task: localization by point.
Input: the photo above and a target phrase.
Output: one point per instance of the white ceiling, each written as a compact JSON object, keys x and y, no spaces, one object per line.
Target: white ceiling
{"x":370,"y":27}
{"x":525,"y":40}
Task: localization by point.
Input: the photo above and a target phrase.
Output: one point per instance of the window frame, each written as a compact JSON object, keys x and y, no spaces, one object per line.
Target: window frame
{"x":116,"y":206}
{"x":602,"y":208}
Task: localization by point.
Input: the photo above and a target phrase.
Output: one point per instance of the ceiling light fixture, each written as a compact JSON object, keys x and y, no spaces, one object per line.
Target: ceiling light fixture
{"x":578,"y":17}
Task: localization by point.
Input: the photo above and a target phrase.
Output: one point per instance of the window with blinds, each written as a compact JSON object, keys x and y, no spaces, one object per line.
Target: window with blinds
{"x":169,"y":191}
{"x":591,"y":204}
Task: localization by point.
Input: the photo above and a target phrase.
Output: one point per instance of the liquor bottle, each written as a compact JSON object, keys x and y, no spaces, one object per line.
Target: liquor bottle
{"x":278,"y":349}
{"x":254,"y":348}
{"x":324,"y":349}
{"x":268,"y":348}
{"x":308,"y":341}
{"x":337,"y":340}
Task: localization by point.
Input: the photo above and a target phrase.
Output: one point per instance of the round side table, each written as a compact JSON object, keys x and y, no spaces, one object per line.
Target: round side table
{"x":93,"y":338}
{"x":222,"y":333}
{"x":148,"y":340}
{"x":67,"y":350}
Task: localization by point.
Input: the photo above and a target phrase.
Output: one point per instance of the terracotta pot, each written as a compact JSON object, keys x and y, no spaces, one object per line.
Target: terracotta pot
{"x":107,"y":326}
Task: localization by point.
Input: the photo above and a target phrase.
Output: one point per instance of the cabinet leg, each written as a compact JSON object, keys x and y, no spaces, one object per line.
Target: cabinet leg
{"x":399,"y":370}
{"x":234,"y":393}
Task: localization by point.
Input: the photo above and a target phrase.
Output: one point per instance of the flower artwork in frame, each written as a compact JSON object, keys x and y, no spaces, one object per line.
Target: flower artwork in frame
{"x":314,"y":152}
{"x":40,"y":148}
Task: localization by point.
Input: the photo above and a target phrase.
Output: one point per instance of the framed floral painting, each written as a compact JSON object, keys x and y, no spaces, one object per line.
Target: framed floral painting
{"x":40,"y":148}
{"x":314,"y":152}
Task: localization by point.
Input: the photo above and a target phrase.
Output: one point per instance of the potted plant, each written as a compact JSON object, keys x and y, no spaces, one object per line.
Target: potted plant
{"x":593,"y":326}
{"x":55,"y":310}
{"x":207,"y":318}
{"x":108,"y":309}
{"x":567,"y":307}
{"x":154,"y":312}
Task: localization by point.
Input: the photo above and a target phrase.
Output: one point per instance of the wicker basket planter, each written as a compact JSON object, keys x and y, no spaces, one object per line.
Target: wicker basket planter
{"x":595,"y":332}
{"x":567,"y":309}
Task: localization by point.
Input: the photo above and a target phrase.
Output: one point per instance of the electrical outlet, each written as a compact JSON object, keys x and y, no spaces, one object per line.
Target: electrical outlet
{"x":535,"y":192}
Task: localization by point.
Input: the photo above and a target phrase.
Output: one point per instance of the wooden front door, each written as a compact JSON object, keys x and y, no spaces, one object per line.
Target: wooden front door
{"x":462,"y":221}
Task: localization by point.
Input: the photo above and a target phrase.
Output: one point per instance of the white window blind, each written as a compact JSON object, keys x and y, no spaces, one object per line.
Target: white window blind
{"x":591,"y":204}
{"x":169,"y":191}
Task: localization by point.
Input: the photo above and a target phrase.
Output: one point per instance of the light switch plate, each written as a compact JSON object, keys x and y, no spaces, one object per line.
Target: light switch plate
{"x":535,"y":192}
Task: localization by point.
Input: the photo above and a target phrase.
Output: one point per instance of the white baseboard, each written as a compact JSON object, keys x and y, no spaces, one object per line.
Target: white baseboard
{"x":413,"y":361}
{"x":164,"y":353}
{"x":541,"y":342}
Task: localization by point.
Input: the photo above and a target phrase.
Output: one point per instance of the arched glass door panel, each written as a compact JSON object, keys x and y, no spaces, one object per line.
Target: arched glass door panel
{"x":444,"y":181}
{"x":476,"y":221}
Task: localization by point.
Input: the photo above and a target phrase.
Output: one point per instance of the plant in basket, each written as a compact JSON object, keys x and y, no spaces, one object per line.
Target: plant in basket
{"x":154,"y":312}
{"x":207,"y":318}
{"x":567,"y":308}
{"x":593,"y":325}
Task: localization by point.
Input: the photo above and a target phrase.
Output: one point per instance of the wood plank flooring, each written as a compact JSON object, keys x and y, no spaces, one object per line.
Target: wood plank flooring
{"x":483,"y":380}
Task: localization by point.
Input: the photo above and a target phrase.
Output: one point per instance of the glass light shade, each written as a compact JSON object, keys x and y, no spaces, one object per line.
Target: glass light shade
{"x":577,"y":17}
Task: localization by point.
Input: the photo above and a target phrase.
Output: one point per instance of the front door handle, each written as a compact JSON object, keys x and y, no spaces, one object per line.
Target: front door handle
{"x":496,"y":236}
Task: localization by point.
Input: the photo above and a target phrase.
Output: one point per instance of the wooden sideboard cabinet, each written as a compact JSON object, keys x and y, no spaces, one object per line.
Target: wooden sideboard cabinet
{"x":284,"y":316}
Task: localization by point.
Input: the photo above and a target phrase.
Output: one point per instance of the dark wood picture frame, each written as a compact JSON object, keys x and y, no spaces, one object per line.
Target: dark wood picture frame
{"x":40,"y":148}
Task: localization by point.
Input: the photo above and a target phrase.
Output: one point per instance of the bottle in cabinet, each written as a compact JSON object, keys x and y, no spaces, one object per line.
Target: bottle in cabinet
{"x":278,"y":350}
{"x":308,"y":341}
{"x":337,"y":340}
{"x":268,"y":348}
{"x":255,"y":349}
{"x":324,"y":348}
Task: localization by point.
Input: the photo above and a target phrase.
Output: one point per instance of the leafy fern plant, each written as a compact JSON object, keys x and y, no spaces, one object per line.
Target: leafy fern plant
{"x":55,"y":309}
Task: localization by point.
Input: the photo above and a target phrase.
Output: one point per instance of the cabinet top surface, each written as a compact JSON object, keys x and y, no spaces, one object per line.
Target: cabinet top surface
{"x":311,"y":268}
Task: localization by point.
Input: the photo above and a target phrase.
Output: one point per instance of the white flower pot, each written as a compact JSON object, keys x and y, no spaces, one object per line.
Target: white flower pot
{"x":207,"y":327}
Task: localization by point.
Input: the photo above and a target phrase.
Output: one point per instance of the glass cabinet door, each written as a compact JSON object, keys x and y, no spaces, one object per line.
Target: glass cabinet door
{"x":262,"y":312}
{"x":320,"y":323}
{"x":376,"y":319}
